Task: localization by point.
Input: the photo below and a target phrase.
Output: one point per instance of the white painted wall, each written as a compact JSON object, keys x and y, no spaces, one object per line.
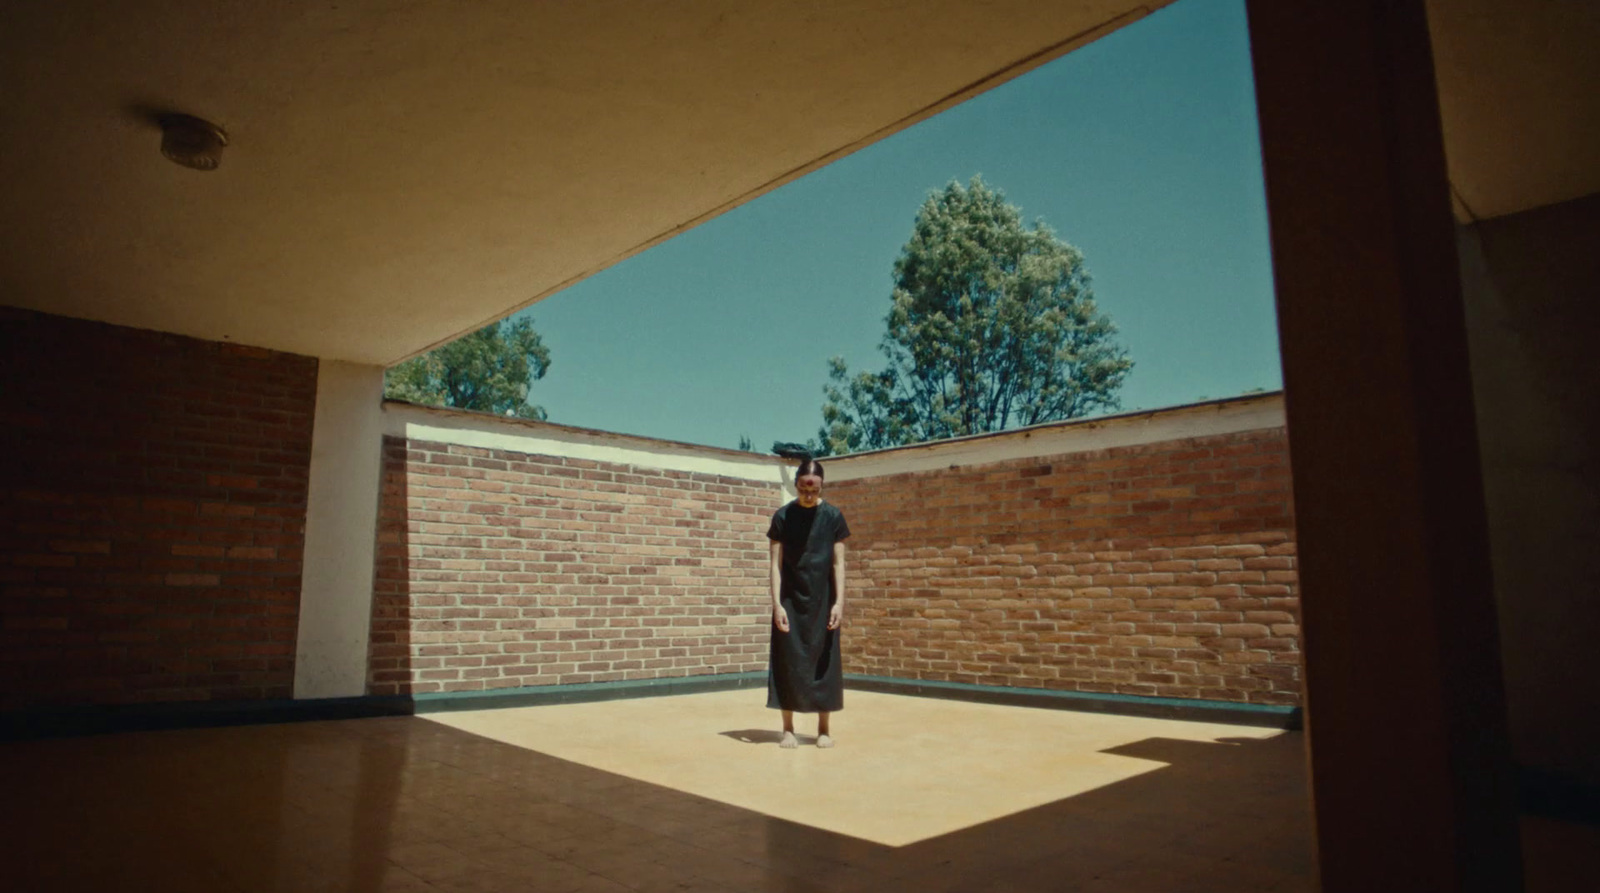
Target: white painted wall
{"x":341,"y":532}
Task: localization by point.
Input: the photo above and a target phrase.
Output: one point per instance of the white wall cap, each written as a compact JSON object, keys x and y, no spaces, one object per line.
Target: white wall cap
{"x":1250,"y":413}
{"x":454,"y":426}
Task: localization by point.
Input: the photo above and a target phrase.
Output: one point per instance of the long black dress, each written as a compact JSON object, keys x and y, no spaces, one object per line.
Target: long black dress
{"x":803,"y":672}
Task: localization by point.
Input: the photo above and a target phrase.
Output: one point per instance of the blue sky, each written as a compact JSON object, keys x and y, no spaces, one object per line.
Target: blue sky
{"x":1141,"y":149}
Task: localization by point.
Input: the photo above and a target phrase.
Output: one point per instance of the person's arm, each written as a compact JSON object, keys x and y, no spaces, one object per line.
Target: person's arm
{"x":836,"y":613}
{"x":780,"y":619}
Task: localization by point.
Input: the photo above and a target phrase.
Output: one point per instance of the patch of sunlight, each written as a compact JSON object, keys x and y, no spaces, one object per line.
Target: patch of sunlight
{"x":905,"y":768}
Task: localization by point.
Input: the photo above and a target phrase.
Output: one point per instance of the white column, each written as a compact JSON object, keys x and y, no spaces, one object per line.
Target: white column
{"x":341,"y":532}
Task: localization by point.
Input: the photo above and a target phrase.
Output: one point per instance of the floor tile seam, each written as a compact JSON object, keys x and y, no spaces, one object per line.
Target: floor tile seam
{"x":586,"y":806}
{"x":475,"y":863}
{"x":408,"y":872}
{"x":700,"y":831}
{"x":812,"y":862}
{"x":618,"y":876}
{"x":714,"y":855}
{"x":509,"y":845}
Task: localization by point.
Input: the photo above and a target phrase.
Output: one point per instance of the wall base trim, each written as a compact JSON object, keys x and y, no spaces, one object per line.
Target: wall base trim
{"x":580,"y":692}
{"x":1265,"y":715}
{"x":60,"y":722}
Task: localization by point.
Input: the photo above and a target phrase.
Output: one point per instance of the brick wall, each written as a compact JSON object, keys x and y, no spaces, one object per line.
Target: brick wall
{"x":501,"y":569}
{"x":1160,"y":569}
{"x":151,"y":514}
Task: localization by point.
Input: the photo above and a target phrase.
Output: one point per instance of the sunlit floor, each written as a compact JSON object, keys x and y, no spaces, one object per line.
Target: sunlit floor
{"x":687,"y":794}
{"x":904,"y":769}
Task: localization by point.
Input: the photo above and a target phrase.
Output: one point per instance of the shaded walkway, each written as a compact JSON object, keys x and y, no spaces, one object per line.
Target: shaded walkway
{"x":411,"y":804}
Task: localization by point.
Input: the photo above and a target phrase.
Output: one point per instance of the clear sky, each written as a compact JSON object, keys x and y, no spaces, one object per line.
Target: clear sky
{"x":1140,"y":149}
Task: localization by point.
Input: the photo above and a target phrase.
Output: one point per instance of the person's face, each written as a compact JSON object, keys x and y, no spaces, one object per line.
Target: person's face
{"x":809,"y":486}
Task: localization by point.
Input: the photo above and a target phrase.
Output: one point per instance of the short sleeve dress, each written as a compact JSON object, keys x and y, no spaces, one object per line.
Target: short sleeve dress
{"x":804,"y":671}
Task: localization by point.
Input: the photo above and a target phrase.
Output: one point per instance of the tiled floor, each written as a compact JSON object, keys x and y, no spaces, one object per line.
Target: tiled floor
{"x":995,"y":799}
{"x":906,"y":769}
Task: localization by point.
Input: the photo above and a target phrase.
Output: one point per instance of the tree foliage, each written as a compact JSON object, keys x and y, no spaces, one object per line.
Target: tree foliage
{"x":489,"y":370}
{"x":993,"y":325}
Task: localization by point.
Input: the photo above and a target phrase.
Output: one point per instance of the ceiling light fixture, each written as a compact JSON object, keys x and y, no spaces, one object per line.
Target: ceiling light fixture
{"x":192,"y":142}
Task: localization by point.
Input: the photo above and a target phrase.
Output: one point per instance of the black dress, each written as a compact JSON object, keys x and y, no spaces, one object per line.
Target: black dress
{"x":804,"y":671}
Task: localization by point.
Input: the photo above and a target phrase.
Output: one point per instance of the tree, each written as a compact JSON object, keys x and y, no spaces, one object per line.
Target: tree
{"x":993,"y":325}
{"x":488,"y":371}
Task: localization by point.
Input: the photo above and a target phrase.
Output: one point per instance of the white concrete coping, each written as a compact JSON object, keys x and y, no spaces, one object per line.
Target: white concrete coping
{"x":1253,"y":412}
{"x":1248,"y":413}
{"x":473,"y":429}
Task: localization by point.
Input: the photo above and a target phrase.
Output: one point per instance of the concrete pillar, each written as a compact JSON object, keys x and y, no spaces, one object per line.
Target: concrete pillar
{"x":1410,"y":763}
{"x":341,"y":524}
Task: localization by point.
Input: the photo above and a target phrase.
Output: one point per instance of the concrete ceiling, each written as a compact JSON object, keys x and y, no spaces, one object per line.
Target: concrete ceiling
{"x":402,"y":171}
{"x":1519,"y":98}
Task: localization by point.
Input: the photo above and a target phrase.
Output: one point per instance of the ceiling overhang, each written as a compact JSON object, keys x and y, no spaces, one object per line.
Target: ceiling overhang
{"x":1519,"y":99}
{"x":400,"y":173}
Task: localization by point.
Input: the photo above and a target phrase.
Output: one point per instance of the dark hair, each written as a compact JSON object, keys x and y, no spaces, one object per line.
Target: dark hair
{"x":809,"y":466}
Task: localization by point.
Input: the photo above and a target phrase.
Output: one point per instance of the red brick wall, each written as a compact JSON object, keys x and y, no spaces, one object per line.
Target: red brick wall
{"x":1164,"y":569}
{"x":151,"y":514}
{"x":499,"y":569}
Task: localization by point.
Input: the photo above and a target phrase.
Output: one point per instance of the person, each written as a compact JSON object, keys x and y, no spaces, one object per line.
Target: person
{"x":807,"y":587}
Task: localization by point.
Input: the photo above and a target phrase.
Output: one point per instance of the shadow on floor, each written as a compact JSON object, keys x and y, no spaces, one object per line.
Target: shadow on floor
{"x":1219,"y":816}
{"x":766,"y":736}
{"x":754,"y":736}
{"x":405,"y":804}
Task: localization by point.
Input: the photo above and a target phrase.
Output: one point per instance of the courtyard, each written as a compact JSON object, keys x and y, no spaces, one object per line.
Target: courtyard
{"x":681,"y":793}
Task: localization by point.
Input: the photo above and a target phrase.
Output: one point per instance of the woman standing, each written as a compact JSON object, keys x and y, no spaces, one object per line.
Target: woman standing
{"x":807,"y":587}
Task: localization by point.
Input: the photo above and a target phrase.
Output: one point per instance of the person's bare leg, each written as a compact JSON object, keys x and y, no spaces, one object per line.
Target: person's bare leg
{"x":823,"y":738}
{"x":788,"y":741}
